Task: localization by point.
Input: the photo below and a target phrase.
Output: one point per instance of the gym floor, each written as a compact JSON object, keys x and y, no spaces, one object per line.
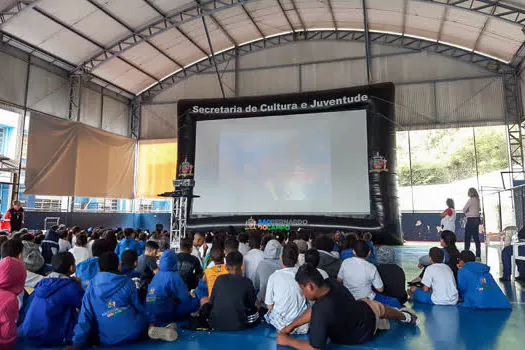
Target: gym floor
{"x":441,"y":327}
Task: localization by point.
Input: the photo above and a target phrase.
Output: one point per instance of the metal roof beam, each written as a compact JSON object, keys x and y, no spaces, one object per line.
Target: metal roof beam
{"x":219,"y":78}
{"x":285,"y":15}
{"x":332,"y":13}
{"x":397,"y":40}
{"x":298,"y":14}
{"x":160,"y":26}
{"x":18,"y":7}
{"x":253,"y":21}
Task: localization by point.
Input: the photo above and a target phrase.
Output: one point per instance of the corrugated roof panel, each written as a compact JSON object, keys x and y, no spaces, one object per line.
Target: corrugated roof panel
{"x":70,"y":11}
{"x":498,"y":46}
{"x":423,"y":19}
{"x":238,"y":24}
{"x":136,"y":13}
{"x":69,"y":46}
{"x":268,"y":16}
{"x":150,"y":60}
{"x":460,"y":34}
{"x":32,"y":27}
{"x":196,"y":30}
{"x":101,"y":28}
{"x":315,"y":14}
{"x":133,"y":80}
{"x":292,"y":14}
{"x":173,"y":43}
{"x":415,"y":105}
{"x":111,"y":69}
{"x":348,"y":13}
{"x":169,"y":6}
{"x":333,"y":75}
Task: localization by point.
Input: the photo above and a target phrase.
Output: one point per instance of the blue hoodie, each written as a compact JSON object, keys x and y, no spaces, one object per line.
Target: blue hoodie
{"x":478,"y":289}
{"x":112,"y":309}
{"x":347,"y":253}
{"x":127,"y":244}
{"x":87,"y":270}
{"x":52,"y":315}
{"x":49,"y":246}
{"x":168,"y":299}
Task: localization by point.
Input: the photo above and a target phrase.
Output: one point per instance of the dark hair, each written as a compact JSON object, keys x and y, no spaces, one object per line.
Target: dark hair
{"x":3,"y":239}
{"x":436,"y":255}
{"x":312,"y":257}
{"x":473,"y":192}
{"x":290,"y":254}
{"x":349,"y":241}
{"x":208,"y":238}
{"x":159,"y":227}
{"x":450,"y":239}
{"x":12,"y":248}
{"x":81,"y":240}
{"x":303,"y":235}
{"x":309,"y":274}
{"x":39,"y":238}
{"x":200,"y":234}
{"x":243,"y":237}
{"x":108,"y":262}
{"x":361,"y":248}
{"x":152,"y":245}
{"x":111,"y":238}
{"x":325,"y":243}
{"x":367,"y":236}
{"x":143,"y":236}
{"x":231,"y":245}
{"x":62,"y":262}
{"x":128,"y":232}
{"x":76,"y":229}
{"x":254,"y":240}
{"x":100,"y":246}
{"x":467,"y":256}
{"x":129,"y":258}
{"x":62,"y":234}
{"x":27,"y":237}
{"x":450,"y":203}
{"x":279,"y":236}
{"x":217,"y":253}
{"x":234,"y":259}
{"x":265,"y":239}
{"x":185,"y":244}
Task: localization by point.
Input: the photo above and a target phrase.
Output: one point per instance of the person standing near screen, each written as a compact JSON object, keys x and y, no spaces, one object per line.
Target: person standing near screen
{"x":472,"y":213}
{"x":16,"y":215}
{"x":448,"y":217}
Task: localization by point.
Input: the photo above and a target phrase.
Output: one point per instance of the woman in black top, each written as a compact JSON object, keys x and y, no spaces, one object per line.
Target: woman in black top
{"x":16,"y":215}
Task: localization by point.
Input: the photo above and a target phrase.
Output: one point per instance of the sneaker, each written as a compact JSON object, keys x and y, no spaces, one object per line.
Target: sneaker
{"x":414,"y":319}
{"x":168,"y":333}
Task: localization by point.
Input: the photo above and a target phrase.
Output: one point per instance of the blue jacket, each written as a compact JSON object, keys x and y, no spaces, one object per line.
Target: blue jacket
{"x":87,"y":270}
{"x":49,"y":246}
{"x":127,"y":244}
{"x":142,"y":247}
{"x":112,"y":309}
{"x":52,"y":314}
{"x":168,"y":299}
{"x":478,"y":289}
{"x":347,"y":253}
{"x":372,"y":256}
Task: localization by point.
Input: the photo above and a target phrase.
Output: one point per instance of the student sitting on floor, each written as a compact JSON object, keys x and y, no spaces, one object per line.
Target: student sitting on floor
{"x":329,"y":262}
{"x":230,"y":245}
{"x":348,"y":246}
{"x":476,"y":285}
{"x":439,"y":285}
{"x":89,"y":268}
{"x":142,"y":238}
{"x":336,"y":315}
{"x":128,"y":265}
{"x":367,"y":237}
{"x":168,"y":299}
{"x":254,"y":256}
{"x":359,"y":276}
{"x":128,"y":243}
{"x":33,"y":262}
{"x":147,"y":263}
{"x":232,"y":304}
{"x":53,"y":312}
{"x":12,"y":278}
{"x":111,"y":311}
{"x":506,"y":260}
{"x":219,"y":268}
{"x":391,"y":274}
{"x":189,"y":266}
{"x":80,"y":251}
{"x":312,"y":257}
{"x":244,"y":247}
{"x":270,"y":264}
{"x":284,"y":299}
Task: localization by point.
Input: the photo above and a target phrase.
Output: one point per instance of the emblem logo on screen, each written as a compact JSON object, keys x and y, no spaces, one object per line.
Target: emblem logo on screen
{"x":273,"y":224}
{"x":185,"y":169}
{"x":378,"y":164}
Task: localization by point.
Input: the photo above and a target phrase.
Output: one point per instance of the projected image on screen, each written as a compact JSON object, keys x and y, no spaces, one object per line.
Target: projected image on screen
{"x":298,"y":164}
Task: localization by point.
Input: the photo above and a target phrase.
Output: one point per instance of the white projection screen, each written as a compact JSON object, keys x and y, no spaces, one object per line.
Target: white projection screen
{"x":297,"y":164}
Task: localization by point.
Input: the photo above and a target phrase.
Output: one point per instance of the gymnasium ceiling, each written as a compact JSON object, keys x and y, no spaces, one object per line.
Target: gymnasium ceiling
{"x":136,"y":44}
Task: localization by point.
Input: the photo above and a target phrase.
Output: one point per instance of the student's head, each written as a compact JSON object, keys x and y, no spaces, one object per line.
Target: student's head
{"x":100,"y":246}
{"x":349,"y":241}
{"x":325,"y":243}
{"x":39,"y":238}
{"x":129,"y":233}
{"x":290,"y":255}
{"x":16,"y":205}
{"x":472,"y":192}
{"x":448,"y":238}
{"x":436,"y":255}
{"x":367,"y":236}
{"x":280,"y":237}
{"x":12,"y":248}
{"x":254,"y":240}
{"x":466,"y":256}
{"x":198,"y":239}
{"x":159,"y":228}
{"x":217,"y":254}
{"x":108,"y":262}
{"x":185,"y":245}
{"x":450,"y":203}
{"x":265,"y":239}
{"x":234,"y":263}
{"x":312,"y":257}
{"x":302,"y":245}
{"x":81,"y":240}
{"x":361,"y":249}
{"x":385,"y":255}
{"x":63,"y":263}
{"x":32,"y":257}
{"x":243,"y":237}
{"x":143,"y":236}
{"x":310,"y":280}
{"x":231,"y":245}
{"x":152,"y":248}
{"x":129,"y":259}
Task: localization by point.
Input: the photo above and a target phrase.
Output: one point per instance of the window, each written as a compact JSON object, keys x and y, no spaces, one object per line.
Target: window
{"x":153,"y":205}
{"x":48,"y":204}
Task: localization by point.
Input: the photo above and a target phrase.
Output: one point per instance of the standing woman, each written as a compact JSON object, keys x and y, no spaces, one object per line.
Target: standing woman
{"x":16,"y":215}
{"x":448,"y":217}
{"x":472,"y":212}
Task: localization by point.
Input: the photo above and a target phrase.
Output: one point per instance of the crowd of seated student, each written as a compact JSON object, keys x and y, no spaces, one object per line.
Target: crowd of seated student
{"x":123,"y":292}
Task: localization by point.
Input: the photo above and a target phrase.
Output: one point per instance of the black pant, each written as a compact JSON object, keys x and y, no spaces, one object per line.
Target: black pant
{"x":472,"y":232}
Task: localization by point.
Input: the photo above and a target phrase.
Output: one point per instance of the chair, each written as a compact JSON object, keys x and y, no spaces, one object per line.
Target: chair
{"x":50,"y":222}
{"x":516,"y":257}
{"x":499,"y":241}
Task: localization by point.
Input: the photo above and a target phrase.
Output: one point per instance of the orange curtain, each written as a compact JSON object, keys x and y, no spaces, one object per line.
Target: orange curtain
{"x":157,"y":167}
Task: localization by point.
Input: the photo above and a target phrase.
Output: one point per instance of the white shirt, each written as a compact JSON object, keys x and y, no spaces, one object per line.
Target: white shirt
{"x":286,"y":296}
{"x":359,"y":276}
{"x":90,"y":247}
{"x":80,"y":254}
{"x":63,"y":245}
{"x":196,"y":253}
{"x":251,"y":261}
{"x":449,"y":222}
{"x":244,"y":248}
{"x":440,"y":278}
